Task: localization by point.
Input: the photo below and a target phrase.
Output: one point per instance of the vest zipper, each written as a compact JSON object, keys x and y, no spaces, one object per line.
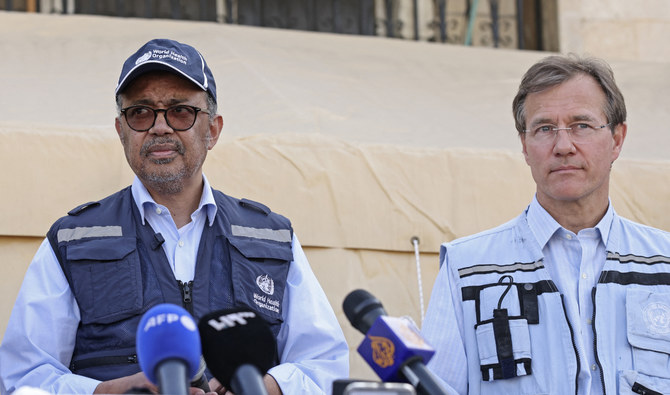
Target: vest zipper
{"x":186,"y":295}
{"x":574,"y":346}
{"x":595,"y":340}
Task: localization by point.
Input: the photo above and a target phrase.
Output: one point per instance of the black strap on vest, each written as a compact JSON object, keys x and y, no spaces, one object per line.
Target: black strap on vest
{"x":641,"y":389}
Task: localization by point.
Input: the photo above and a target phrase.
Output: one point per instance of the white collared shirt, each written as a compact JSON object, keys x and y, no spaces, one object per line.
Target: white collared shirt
{"x":574,"y":262}
{"x":181,"y":245}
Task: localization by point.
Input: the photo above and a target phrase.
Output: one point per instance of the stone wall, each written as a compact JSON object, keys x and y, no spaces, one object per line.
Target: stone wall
{"x":616,"y":29}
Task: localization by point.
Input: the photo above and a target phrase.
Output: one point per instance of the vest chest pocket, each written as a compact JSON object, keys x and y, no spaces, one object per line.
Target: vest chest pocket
{"x":106,"y":278}
{"x":504,"y":312}
{"x":503,"y":339}
{"x":648,"y":332}
{"x":259,"y":271}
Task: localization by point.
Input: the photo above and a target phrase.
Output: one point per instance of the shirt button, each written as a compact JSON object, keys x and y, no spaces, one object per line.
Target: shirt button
{"x":181,"y":243}
{"x":594,"y":367}
{"x":568,"y":236}
{"x":158,"y":210}
{"x":584,"y":276}
{"x":589,"y":322}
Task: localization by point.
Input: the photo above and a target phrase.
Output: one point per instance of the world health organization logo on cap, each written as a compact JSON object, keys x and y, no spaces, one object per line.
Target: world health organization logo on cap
{"x":143,"y":58}
{"x":171,"y":56}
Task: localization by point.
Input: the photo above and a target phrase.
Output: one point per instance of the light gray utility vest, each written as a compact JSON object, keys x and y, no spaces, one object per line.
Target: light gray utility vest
{"x":517,"y":336}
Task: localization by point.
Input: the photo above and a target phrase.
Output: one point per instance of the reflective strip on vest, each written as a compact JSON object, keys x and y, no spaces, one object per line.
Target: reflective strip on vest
{"x":482,"y":269}
{"x":637,"y":258}
{"x":90,"y":231}
{"x":281,"y":235}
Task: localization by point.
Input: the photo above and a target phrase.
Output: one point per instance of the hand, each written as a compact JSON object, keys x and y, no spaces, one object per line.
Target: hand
{"x":124,"y":384}
{"x":217,"y":387}
{"x":137,"y":383}
{"x":268,"y":380}
{"x":199,"y":391}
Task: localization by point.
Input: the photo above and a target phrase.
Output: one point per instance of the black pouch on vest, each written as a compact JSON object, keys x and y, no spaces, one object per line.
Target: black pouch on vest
{"x":503,"y":338}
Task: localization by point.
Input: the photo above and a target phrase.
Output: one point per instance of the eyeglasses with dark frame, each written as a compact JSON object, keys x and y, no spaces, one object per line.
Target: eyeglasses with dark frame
{"x":579,"y":132}
{"x":180,"y":117}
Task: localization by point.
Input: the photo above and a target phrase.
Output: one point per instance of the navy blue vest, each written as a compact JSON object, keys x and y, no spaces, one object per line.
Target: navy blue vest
{"x":117,"y":270}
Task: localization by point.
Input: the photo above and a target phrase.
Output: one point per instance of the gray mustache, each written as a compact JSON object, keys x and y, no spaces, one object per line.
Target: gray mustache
{"x":162,"y":141}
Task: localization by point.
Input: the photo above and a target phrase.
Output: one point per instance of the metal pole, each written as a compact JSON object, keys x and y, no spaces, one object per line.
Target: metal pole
{"x":228,"y":10}
{"x":337,"y":25}
{"x":389,"y":18}
{"x":261,"y":16}
{"x":471,"y":22}
{"x":519,"y":24}
{"x":416,"y":20}
{"x":176,"y":9}
{"x":443,"y":20}
{"x":203,"y":10}
{"x":120,"y":9}
{"x":538,"y":25}
{"x":148,"y":8}
{"x":495,"y":16}
{"x":366,"y":29}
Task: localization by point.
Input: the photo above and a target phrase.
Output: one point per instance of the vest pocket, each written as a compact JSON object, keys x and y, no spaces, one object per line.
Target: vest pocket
{"x":259,"y":270}
{"x":106,"y":278}
{"x":107,"y":364}
{"x":503,"y":313}
{"x":631,"y":382}
{"x":504,"y":354}
{"x":648,"y":332}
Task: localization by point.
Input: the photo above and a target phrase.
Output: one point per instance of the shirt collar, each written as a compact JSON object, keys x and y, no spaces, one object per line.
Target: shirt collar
{"x":543,"y":225}
{"x":144,"y":201}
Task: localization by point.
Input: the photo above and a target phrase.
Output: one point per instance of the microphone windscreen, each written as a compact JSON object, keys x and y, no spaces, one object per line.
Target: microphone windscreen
{"x":167,"y":332}
{"x":392,"y":342}
{"x":234,"y":337}
{"x":362,"y":309}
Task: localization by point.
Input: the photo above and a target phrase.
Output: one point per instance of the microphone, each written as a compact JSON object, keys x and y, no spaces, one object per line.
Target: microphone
{"x":239,"y":348}
{"x":365,"y":387}
{"x":393,"y":347}
{"x":168,"y":348}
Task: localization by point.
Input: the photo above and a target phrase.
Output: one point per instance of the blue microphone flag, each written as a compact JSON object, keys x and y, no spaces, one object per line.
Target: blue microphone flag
{"x":390,"y":343}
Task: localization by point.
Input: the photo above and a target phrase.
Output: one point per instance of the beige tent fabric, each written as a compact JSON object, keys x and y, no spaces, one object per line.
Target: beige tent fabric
{"x":362,"y":142}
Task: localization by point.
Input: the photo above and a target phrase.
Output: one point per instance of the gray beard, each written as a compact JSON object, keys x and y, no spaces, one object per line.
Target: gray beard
{"x":167,"y":184}
{"x":164,"y":183}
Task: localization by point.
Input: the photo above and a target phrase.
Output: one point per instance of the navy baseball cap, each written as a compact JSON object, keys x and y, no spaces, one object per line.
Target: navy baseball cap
{"x":168,"y":55}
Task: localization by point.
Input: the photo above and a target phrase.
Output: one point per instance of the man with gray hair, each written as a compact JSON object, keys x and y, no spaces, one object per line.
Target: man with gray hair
{"x":569,"y":297}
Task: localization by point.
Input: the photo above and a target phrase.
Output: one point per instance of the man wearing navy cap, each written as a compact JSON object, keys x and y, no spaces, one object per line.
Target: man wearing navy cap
{"x":167,"y":238}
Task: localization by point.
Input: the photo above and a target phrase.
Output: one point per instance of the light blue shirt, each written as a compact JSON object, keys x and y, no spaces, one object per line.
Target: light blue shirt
{"x":574,"y":263}
{"x":40,"y":336}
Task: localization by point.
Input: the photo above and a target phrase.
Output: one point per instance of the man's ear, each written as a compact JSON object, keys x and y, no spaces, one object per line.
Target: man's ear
{"x":117,"y":125}
{"x":618,"y":135}
{"x":522,"y":137}
{"x":215,"y":127}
